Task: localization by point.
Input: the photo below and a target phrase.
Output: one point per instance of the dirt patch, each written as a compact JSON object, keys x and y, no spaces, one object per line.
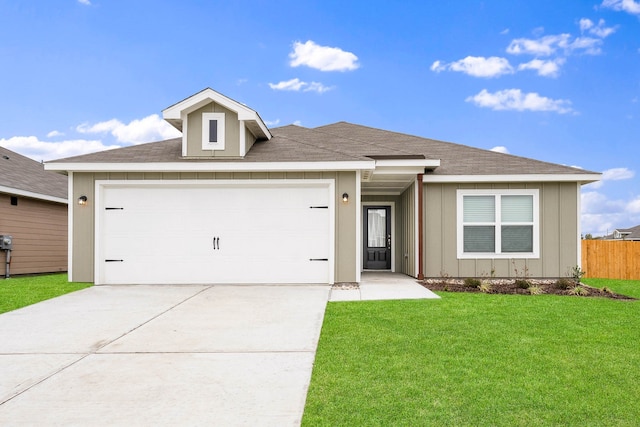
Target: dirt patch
{"x":519,"y":287}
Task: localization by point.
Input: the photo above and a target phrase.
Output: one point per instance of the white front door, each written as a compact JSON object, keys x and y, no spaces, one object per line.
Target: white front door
{"x":158,"y":232}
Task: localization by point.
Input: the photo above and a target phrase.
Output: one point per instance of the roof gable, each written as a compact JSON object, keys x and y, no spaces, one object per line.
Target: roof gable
{"x":176,"y":113}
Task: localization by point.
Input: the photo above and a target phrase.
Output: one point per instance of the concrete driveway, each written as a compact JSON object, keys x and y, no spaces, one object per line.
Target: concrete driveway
{"x":169,"y":355}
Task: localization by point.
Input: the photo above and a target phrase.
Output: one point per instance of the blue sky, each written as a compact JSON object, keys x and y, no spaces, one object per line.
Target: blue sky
{"x":554,"y":81}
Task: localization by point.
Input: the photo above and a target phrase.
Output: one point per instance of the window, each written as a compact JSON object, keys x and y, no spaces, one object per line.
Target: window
{"x":498,"y":223}
{"x":213,"y":131}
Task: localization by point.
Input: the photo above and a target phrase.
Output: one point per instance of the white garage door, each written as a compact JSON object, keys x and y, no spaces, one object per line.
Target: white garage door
{"x":152,"y":233}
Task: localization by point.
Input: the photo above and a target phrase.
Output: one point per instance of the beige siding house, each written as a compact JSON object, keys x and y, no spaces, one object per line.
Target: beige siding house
{"x":233,"y":201}
{"x":33,"y":210}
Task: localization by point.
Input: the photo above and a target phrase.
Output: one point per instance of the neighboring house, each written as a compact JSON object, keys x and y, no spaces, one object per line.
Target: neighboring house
{"x":632,"y":233}
{"x":33,"y":210}
{"x":235,"y":202}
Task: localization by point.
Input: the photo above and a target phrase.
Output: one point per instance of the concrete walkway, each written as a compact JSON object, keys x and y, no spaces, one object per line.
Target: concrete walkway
{"x":171,"y":355}
{"x":383,"y":286}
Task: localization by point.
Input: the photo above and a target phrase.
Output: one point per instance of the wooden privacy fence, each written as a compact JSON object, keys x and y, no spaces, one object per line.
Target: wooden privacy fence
{"x":611,"y":259}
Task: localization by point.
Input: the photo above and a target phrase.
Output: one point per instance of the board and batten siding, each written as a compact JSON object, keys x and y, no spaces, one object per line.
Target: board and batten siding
{"x":39,"y":231}
{"x":84,"y":221}
{"x":232,"y":132}
{"x":559,"y":233}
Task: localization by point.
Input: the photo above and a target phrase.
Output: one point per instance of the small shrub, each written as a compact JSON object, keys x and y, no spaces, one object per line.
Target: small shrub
{"x":536,"y":290}
{"x":472,"y":282}
{"x":564,"y":283}
{"x":576,"y":273}
{"x":485,"y":286}
{"x":523,"y":283}
{"x":578,"y":291}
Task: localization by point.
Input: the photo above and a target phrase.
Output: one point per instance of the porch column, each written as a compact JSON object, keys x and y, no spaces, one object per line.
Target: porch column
{"x":420,"y":228}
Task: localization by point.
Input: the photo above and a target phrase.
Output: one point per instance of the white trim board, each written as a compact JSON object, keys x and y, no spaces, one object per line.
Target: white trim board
{"x":583,"y":178}
{"x":31,"y":194}
{"x":212,"y":166}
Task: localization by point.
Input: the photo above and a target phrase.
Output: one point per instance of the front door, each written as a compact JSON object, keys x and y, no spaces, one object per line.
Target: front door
{"x":377,"y":237}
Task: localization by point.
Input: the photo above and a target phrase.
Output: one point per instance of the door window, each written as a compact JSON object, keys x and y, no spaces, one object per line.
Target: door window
{"x":377,"y":228}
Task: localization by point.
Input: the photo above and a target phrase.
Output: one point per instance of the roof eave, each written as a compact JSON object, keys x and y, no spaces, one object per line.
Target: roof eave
{"x":212,"y":166}
{"x":33,"y":195}
{"x":582,"y":178}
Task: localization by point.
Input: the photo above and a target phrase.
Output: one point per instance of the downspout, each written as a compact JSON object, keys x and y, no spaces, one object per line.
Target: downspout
{"x":420,"y":228}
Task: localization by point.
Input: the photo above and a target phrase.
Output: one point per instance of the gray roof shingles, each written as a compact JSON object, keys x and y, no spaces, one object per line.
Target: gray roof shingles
{"x":21,"y":173}
{"x":340,"y":142}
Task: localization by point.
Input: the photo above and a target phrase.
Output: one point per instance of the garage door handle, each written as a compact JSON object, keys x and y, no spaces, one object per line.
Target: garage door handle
{"x":318,"y":259}
{"x":113,"y":260}
{"x":216,"y":243}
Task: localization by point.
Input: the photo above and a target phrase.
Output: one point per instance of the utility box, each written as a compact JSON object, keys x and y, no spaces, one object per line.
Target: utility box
{"x":6,"y":242}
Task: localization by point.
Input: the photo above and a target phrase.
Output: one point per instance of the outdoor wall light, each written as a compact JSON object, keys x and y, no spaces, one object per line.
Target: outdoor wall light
{"x":82,"y":200}
{"x":345,"y":198}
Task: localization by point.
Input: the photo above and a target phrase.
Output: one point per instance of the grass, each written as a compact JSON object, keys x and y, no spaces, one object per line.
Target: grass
{"x":20,"y":291}
{"x":624,"y":287}
{"x":479,"y":360}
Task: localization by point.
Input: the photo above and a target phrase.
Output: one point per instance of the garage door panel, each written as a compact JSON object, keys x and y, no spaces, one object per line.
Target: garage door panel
{"x":243,"y":234}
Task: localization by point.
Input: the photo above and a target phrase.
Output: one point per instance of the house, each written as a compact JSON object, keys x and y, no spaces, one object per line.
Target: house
{"x":233,"y":201}
{"x":33,"y":210}
{"x":632,"y":233}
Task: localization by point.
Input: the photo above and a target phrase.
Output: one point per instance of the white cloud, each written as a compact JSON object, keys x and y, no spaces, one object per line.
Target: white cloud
{"x":438,"y":66}
{"x":272,"y":122}
{"x":544,"y":68}
{"x":585,"y":24}
{"x":505,"y":31}
{"x":615,"y":174}
{"x":629,"y":6}
{"x":297,"y":123}
{"x":549,"y":45}
{"x":543,"y":46}
{"x":514,"y":99}
{"x":500,"y":149}
{"x":476,"y":66}
{"x":317,"y":87}
{"x":32,"y":147}
{"x":150,"y":128}
{"x":323,"y":58}
{"x":297,"y":85}
{"x":85,"y":2}
{"x":601,"y":215}
{"x":54,"y":133}
{"x":597,"y":30}
{"x":293,"y":84}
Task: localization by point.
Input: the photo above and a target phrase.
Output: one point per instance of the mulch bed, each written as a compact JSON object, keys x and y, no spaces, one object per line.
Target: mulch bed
{"x":509,"y":286}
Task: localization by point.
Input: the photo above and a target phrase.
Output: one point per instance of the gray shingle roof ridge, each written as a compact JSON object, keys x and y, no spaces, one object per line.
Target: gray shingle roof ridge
{"x":395,"y":149}
{"x":326,"y":149}
{"x":469,"y":147}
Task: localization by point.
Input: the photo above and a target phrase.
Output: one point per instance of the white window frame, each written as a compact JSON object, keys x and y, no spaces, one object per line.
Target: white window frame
{"x":497,"y":193}
{"x":206,"y":118}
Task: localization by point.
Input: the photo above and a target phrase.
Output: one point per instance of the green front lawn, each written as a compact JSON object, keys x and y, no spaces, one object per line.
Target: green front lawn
{"x":479,"y":360}
{"x":21,"y":291}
